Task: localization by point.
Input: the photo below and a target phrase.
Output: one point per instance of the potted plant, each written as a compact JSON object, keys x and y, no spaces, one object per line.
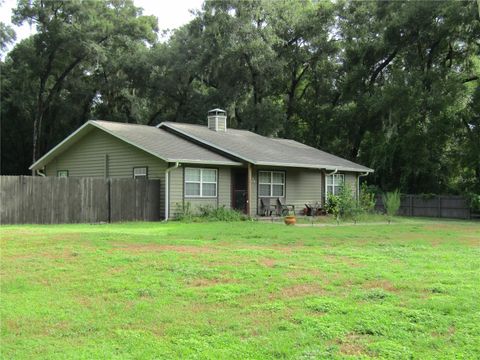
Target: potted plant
{"x":290,"y":219}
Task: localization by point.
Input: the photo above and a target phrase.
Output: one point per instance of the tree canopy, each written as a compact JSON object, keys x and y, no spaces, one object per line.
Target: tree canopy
{"x":391,"y":85}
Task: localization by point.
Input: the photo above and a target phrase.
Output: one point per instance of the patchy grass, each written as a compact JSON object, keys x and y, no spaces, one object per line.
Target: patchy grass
{"x":243,"y":290}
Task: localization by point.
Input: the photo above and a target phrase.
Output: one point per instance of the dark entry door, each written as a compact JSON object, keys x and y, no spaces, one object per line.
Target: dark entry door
{"x":239,"y":189}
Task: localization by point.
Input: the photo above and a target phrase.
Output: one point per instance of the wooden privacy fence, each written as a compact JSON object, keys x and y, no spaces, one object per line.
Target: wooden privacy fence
{"x":444,"y":206}
{"x":53,"y":200}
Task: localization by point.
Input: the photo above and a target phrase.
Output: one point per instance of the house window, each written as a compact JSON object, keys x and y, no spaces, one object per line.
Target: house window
{"x":200,"y":182}
{"x":140,"y":173}
{"x":62,"y":173}
{"x":335,"y":183}
{"x":271,"y":183}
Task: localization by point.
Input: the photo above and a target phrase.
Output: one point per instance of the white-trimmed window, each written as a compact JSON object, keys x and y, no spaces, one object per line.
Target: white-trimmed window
{"x":335,"y":183}
{"x":271,"y":183}
{"x":140,"y":172}
{"x":200,"y":182}
{"x":62,"y":173}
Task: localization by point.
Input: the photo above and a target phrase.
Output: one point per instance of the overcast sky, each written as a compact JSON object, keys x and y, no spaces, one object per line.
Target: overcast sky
{"x":170,"y":13}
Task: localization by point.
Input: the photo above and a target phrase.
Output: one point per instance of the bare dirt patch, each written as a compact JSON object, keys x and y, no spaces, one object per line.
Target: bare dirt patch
{"x":116,"y":270}
{"x":473,"y":240}
{"x":337,"y":259}
{"x":380,"y":284}
{"x":210,"y":282}
{"x":185,"y":249}
{"x":295,"y":274}
{"x":300,"y":290}
{"x":469,"y":240}
{"x":452,"y":227}
{"x":275,"y":247}
{"x":449,"y":333}
{"x":64,"y":255}
{"x":68,"y":236}
{"x":352,"y":345}
{"x":268,"y":262}
{"x":13,"y":326}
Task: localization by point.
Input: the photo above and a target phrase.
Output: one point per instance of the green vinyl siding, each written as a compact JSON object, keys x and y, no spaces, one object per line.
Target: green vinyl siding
{"x":256,"y":208}
{"x":86,"y":158}
{"x":304,"y":186}
{"x":225,"y":186}
{"x":350,"y":179}
{"x":351,"y":182}
{"x":175,"y":185}
{"x":255,"y":201}
{"x":177,"y":199}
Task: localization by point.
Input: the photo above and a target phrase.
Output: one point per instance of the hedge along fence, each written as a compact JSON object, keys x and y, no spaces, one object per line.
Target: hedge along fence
{"x":53,"y":200}
{"x":443,"y":206}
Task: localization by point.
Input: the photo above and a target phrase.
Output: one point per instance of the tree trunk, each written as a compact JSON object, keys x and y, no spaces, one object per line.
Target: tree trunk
{"x":37,"y":128}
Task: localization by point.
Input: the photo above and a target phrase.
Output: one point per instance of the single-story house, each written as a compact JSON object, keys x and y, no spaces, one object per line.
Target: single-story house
{"x":204,"y":165}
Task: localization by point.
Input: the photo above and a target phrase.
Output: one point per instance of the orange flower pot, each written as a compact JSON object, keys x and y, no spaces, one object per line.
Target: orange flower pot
{"x":290,"y":220}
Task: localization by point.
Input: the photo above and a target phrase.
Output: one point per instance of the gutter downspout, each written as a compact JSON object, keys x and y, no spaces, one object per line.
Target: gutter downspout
{"x":167,"y":188}
{"x":39,"y":173}
{"x":358,"y":184}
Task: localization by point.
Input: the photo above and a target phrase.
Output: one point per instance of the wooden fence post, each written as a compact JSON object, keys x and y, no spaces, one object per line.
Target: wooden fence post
{"x":411,"y":204}
{"x":109,"y":202}
{"x":439,"y":206}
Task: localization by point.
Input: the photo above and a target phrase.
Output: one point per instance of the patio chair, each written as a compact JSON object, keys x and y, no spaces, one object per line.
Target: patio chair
{"x":266,"y":207}
{"x":318,"y":209}
{"x":309,"y":210}
{"x":284,"y":209}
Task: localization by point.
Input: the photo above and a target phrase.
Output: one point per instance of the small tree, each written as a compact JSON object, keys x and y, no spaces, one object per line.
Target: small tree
{"x":391,"y":201}
{"x":333,"y":206}
{"x":347,"y":202}
{"x":367,"y":199}
{"x":343,"y":205}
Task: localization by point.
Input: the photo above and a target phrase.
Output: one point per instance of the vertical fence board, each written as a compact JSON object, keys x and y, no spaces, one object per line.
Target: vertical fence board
{"x":153,"y":201}
{"x":51,"y":200}
{"x":435,"y":206}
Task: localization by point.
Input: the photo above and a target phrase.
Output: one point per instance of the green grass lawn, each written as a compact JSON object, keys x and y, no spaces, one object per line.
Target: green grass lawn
{"x":243,"y":290}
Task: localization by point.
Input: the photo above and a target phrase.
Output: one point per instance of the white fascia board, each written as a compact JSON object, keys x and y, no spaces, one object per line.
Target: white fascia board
{"x":92,"y":123}
{"x":260,"y":163}
{"x":53,"y":151}
{"x":319,"y":166}
{"x":206,"y":162}
{"x":72,"y":136}
{"x":129,"y":142}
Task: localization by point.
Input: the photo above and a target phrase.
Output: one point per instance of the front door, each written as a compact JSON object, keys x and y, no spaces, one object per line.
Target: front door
{"x":239,"y":189}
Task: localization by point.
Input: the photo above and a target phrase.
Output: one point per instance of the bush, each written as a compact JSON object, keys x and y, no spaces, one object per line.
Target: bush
{"x":207,"y":213}
{"x":347,"y":203}
{"x":391,"y":201}
{"x":183,"y":212}
{"x":367,"y":199}
{"x":474,"y":200}
{"x":211,"y":213}
{"x":343,"y":205}
{"x":333,"y":206}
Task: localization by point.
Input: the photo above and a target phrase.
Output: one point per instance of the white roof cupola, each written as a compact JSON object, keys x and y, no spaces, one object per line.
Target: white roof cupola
{"x":217,"y":120}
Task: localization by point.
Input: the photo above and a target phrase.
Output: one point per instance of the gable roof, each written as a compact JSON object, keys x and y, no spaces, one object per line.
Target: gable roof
{"x":261,"y":150}
{"x":157,"y":142}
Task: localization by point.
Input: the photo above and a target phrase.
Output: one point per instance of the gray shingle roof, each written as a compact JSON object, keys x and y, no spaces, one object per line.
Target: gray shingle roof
{"x":158,"y":142}
{"x":261,"y":150}
{"x":169,"y":142}
{"x":164,"y":144}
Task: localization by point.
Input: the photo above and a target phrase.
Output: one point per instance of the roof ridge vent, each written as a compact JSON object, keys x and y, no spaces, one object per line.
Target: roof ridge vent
{"x":217,"y":120}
